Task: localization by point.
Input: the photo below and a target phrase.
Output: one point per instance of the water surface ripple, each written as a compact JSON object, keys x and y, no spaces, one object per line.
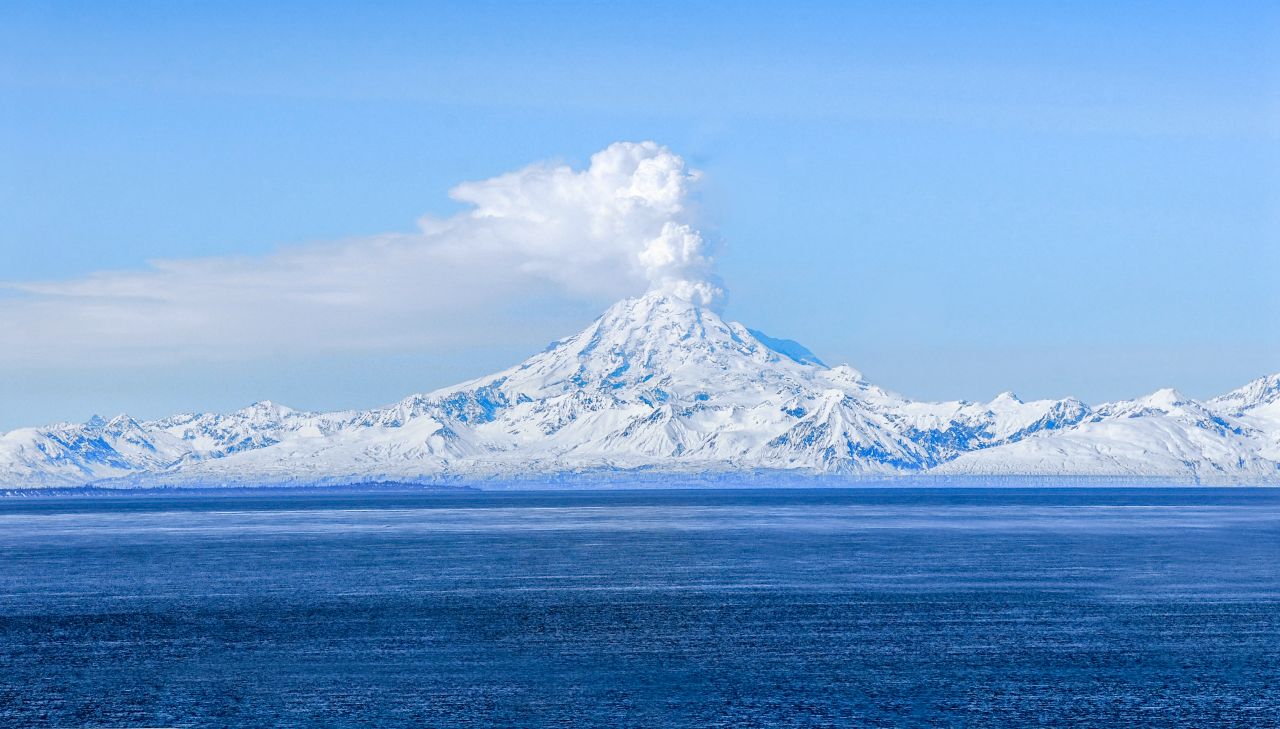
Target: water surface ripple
{"x":875,"y":607}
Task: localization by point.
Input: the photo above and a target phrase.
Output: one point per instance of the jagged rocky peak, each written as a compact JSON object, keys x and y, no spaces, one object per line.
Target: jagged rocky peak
{"x":1165,"y":401}
{"x":266,"y":409}
{"x":120,"y":424}
{"x":1259,"y":392}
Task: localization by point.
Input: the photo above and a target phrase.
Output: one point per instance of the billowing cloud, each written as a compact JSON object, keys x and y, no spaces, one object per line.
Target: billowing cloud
{"x":613,"y":229}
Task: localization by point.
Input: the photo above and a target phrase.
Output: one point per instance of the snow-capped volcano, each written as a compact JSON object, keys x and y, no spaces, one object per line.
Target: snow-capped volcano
{"x":663,"y":383}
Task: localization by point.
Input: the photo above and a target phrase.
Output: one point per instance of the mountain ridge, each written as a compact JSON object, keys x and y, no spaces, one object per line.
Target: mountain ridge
{"x":661,"y":383}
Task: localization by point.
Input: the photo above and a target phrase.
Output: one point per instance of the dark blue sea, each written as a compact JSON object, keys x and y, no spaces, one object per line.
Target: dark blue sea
{"x":861,"y":607}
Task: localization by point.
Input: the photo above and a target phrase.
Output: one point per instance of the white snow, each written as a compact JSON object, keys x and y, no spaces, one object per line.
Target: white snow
{"x":661,"y":382}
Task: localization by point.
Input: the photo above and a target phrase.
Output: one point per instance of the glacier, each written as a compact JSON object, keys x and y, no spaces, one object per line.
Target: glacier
{"x":662,"y":385}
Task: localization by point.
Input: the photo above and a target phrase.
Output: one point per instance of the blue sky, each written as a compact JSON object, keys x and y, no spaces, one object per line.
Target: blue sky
{"x":957,"y":201}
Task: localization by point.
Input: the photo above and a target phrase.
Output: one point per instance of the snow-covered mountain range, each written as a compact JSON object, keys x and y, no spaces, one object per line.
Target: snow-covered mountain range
{"x":659,"y":384}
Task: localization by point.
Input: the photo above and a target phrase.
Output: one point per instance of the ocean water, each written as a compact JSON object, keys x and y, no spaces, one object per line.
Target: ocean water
{"x":865,"y":607}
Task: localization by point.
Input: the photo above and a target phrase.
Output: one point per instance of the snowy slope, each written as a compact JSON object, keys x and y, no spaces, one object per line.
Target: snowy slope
{"x":1165,"y":434}
{"x":1256,"y":407}
{"x":661,"y":383}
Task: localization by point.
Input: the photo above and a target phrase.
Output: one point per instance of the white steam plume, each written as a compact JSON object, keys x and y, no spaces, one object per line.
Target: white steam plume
{"x":548,"y":230}
{"x":622,"y":217}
